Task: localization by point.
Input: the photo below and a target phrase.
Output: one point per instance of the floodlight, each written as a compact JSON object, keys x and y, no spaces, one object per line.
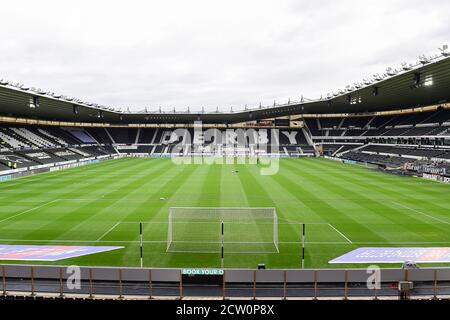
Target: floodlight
{"x":423,"y":59}
{"x":444,"y":50}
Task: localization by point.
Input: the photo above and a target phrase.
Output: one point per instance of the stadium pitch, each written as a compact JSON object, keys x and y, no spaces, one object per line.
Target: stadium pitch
{"x":343,"y":206}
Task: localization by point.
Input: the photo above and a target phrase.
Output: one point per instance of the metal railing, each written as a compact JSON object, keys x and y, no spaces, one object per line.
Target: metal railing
{"x":136,"y":283}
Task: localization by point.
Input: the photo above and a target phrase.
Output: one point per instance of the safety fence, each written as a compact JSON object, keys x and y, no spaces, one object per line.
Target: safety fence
{"x":136,"y":283}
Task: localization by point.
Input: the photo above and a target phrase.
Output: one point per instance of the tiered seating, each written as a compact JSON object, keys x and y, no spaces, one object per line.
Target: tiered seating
{"x":84,"y":136}
{"x":313,"y":126}
{"x":96,"y":150}
{"x":33,"y":138}
{"x":3,"y":166}
{"x":158,"y":149}
{"x":418,"y":152}
{"x":355,"y":132}
{"x":12,"y":140}
{"x":158,"y":136}
{"x":100,"y":135}
{"x":290,"y":137}
{"x":394,"y":132}
{"x":135,"y":149}
{"x":334,"y":133}
{"x":421,"y":131}
{"x":330,"y":123}
{"x":439,"y":117}
{"x":330,"y":148}
{"x":123,"y":135}
{"x":20,"y":161}
{"x":40,"y":156}
{"x":146,"y":135}
{"x":4,"y":145}
{"x":446,"y":156}
{"x":54,"y":139}
{"x":61,"y":134}
{"x":65,"y":154}
{"x":416,"y":124}
{"x":356,"y":122}
{"x":383,"y":160}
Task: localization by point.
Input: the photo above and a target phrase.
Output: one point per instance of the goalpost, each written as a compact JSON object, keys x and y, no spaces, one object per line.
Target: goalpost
{"x":209,"y":230}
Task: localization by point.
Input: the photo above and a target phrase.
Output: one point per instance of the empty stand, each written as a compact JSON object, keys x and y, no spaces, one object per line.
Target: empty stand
{"x":33,"y":138}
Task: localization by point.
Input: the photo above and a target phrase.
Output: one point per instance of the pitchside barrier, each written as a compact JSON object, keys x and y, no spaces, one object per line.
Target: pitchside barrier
{"x":221,"y":283}
{"x":28,"y":171}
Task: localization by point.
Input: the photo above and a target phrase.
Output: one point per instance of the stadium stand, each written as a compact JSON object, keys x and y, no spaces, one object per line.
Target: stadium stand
{"x":396,"y":125}
{"x":32,"y":137}
{"x":16,"y":159}
{"x":3,"y":166}
{"x":39,"y":156}
{"x":61,"y":135}
{"x":378,"y":139}
{"x":147,"y":135}
{"x":65,"y":154}
{"x":123,"y":135}
{"x":411,"y":126}
{"x":12,"y":140}
{"x":101,"y":135}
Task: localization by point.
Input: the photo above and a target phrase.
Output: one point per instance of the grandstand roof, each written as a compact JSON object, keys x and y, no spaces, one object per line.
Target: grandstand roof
{"x":423,"y":84}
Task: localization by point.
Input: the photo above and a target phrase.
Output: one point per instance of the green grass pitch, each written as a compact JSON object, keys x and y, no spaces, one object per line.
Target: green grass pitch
{"x":344,"y":207}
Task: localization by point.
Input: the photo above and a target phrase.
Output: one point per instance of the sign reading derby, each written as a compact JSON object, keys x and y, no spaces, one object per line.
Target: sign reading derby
{"x":395,"y":255}
{"x":48,"y":253}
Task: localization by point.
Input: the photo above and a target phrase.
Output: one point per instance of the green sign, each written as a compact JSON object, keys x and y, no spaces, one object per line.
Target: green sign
{"x":202,"y":272}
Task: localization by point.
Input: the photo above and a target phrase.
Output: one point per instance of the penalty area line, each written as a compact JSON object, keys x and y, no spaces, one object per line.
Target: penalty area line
{"x":107,"y":232}
{"x":343,"y":235}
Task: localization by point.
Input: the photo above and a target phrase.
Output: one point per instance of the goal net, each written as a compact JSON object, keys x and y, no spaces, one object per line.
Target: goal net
{"x":238,"y":230}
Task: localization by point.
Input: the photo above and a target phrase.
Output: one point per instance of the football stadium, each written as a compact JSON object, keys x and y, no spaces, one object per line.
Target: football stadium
{"x":285,"y":187}
{"x":342,"y":196}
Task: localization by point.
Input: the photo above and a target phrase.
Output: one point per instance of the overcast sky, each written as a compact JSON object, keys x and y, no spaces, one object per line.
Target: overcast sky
{"x":208,"y":53}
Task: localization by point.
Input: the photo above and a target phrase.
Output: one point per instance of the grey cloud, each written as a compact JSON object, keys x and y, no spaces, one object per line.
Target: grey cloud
{"x":206,"y":53}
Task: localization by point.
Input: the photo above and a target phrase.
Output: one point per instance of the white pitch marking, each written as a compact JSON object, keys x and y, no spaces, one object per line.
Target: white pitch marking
{"x":343,"y":235}
{"x":109,"y":230}
{"x":422,"y":213}
{"x":26,"y":211}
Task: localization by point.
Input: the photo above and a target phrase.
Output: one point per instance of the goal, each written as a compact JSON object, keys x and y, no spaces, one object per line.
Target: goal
{"x":237,"y":230}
